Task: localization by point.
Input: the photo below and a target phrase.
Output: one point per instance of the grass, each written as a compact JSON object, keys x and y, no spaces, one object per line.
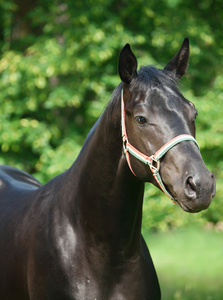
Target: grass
{"x":189,"y":263}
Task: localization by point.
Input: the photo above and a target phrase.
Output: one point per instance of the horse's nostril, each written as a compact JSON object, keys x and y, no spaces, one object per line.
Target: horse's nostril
{"x":190,"y":188}
{"x":191,"y":183}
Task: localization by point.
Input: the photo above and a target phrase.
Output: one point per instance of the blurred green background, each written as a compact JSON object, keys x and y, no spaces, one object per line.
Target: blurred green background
{"x":58,"y":68}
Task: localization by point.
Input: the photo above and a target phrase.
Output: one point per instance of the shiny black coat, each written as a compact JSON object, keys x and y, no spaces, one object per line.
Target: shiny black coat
{"x":79,"y":236}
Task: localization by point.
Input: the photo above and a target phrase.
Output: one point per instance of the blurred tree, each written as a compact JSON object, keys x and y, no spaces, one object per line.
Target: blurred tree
{"x":58,"y":68}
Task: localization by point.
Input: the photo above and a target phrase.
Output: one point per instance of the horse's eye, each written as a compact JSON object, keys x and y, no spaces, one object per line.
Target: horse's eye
{"x":141,"y":120}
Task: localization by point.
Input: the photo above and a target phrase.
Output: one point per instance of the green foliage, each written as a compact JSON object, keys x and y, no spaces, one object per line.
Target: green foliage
{"x":58,"y":68}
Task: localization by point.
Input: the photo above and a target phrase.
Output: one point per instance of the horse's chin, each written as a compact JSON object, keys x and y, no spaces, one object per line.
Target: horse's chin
{"x":187,"y":209}
{"x":192,"y":210}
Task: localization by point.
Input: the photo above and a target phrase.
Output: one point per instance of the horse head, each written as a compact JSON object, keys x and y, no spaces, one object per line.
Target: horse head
{"x":155,"y":114}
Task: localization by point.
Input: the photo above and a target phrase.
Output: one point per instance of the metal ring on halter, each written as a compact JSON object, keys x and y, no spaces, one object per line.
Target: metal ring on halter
{"x":155,"y":167}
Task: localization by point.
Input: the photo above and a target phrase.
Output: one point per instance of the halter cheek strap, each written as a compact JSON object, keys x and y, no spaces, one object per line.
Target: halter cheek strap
{"x":152,"y":161}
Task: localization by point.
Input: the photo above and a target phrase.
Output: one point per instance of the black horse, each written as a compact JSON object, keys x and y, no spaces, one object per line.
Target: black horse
{"x":78,"y":237}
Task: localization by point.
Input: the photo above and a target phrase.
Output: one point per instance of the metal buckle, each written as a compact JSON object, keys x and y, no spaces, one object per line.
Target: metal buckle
{"x":155,"y":164}
{"x":124,"y":140}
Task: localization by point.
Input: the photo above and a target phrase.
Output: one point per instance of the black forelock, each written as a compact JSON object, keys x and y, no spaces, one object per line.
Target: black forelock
{"x":151,"y":77}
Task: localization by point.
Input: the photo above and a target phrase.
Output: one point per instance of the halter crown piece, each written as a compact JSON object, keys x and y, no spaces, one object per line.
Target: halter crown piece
{"x":152,"y":161}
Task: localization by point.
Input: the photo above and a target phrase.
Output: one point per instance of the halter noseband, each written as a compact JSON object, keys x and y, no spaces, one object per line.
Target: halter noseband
{"x":152,"y":161}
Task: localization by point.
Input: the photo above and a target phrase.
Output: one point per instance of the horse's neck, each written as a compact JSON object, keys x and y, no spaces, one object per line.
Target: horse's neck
{"x":110,"y":197}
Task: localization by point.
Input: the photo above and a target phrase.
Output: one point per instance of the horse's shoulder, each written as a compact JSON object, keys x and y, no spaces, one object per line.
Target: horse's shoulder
{"x":10,"y":176}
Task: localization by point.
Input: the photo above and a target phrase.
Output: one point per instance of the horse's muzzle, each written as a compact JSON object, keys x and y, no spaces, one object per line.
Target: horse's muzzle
{"x":198,"y":192}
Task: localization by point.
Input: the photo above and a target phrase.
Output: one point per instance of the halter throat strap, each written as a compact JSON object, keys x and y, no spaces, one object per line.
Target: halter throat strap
{"x":152,"y":161}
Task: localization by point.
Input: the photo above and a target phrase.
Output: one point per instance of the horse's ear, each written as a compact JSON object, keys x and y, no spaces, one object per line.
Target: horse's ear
{"x":179,"y":63}
{"x":127,"y":66}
